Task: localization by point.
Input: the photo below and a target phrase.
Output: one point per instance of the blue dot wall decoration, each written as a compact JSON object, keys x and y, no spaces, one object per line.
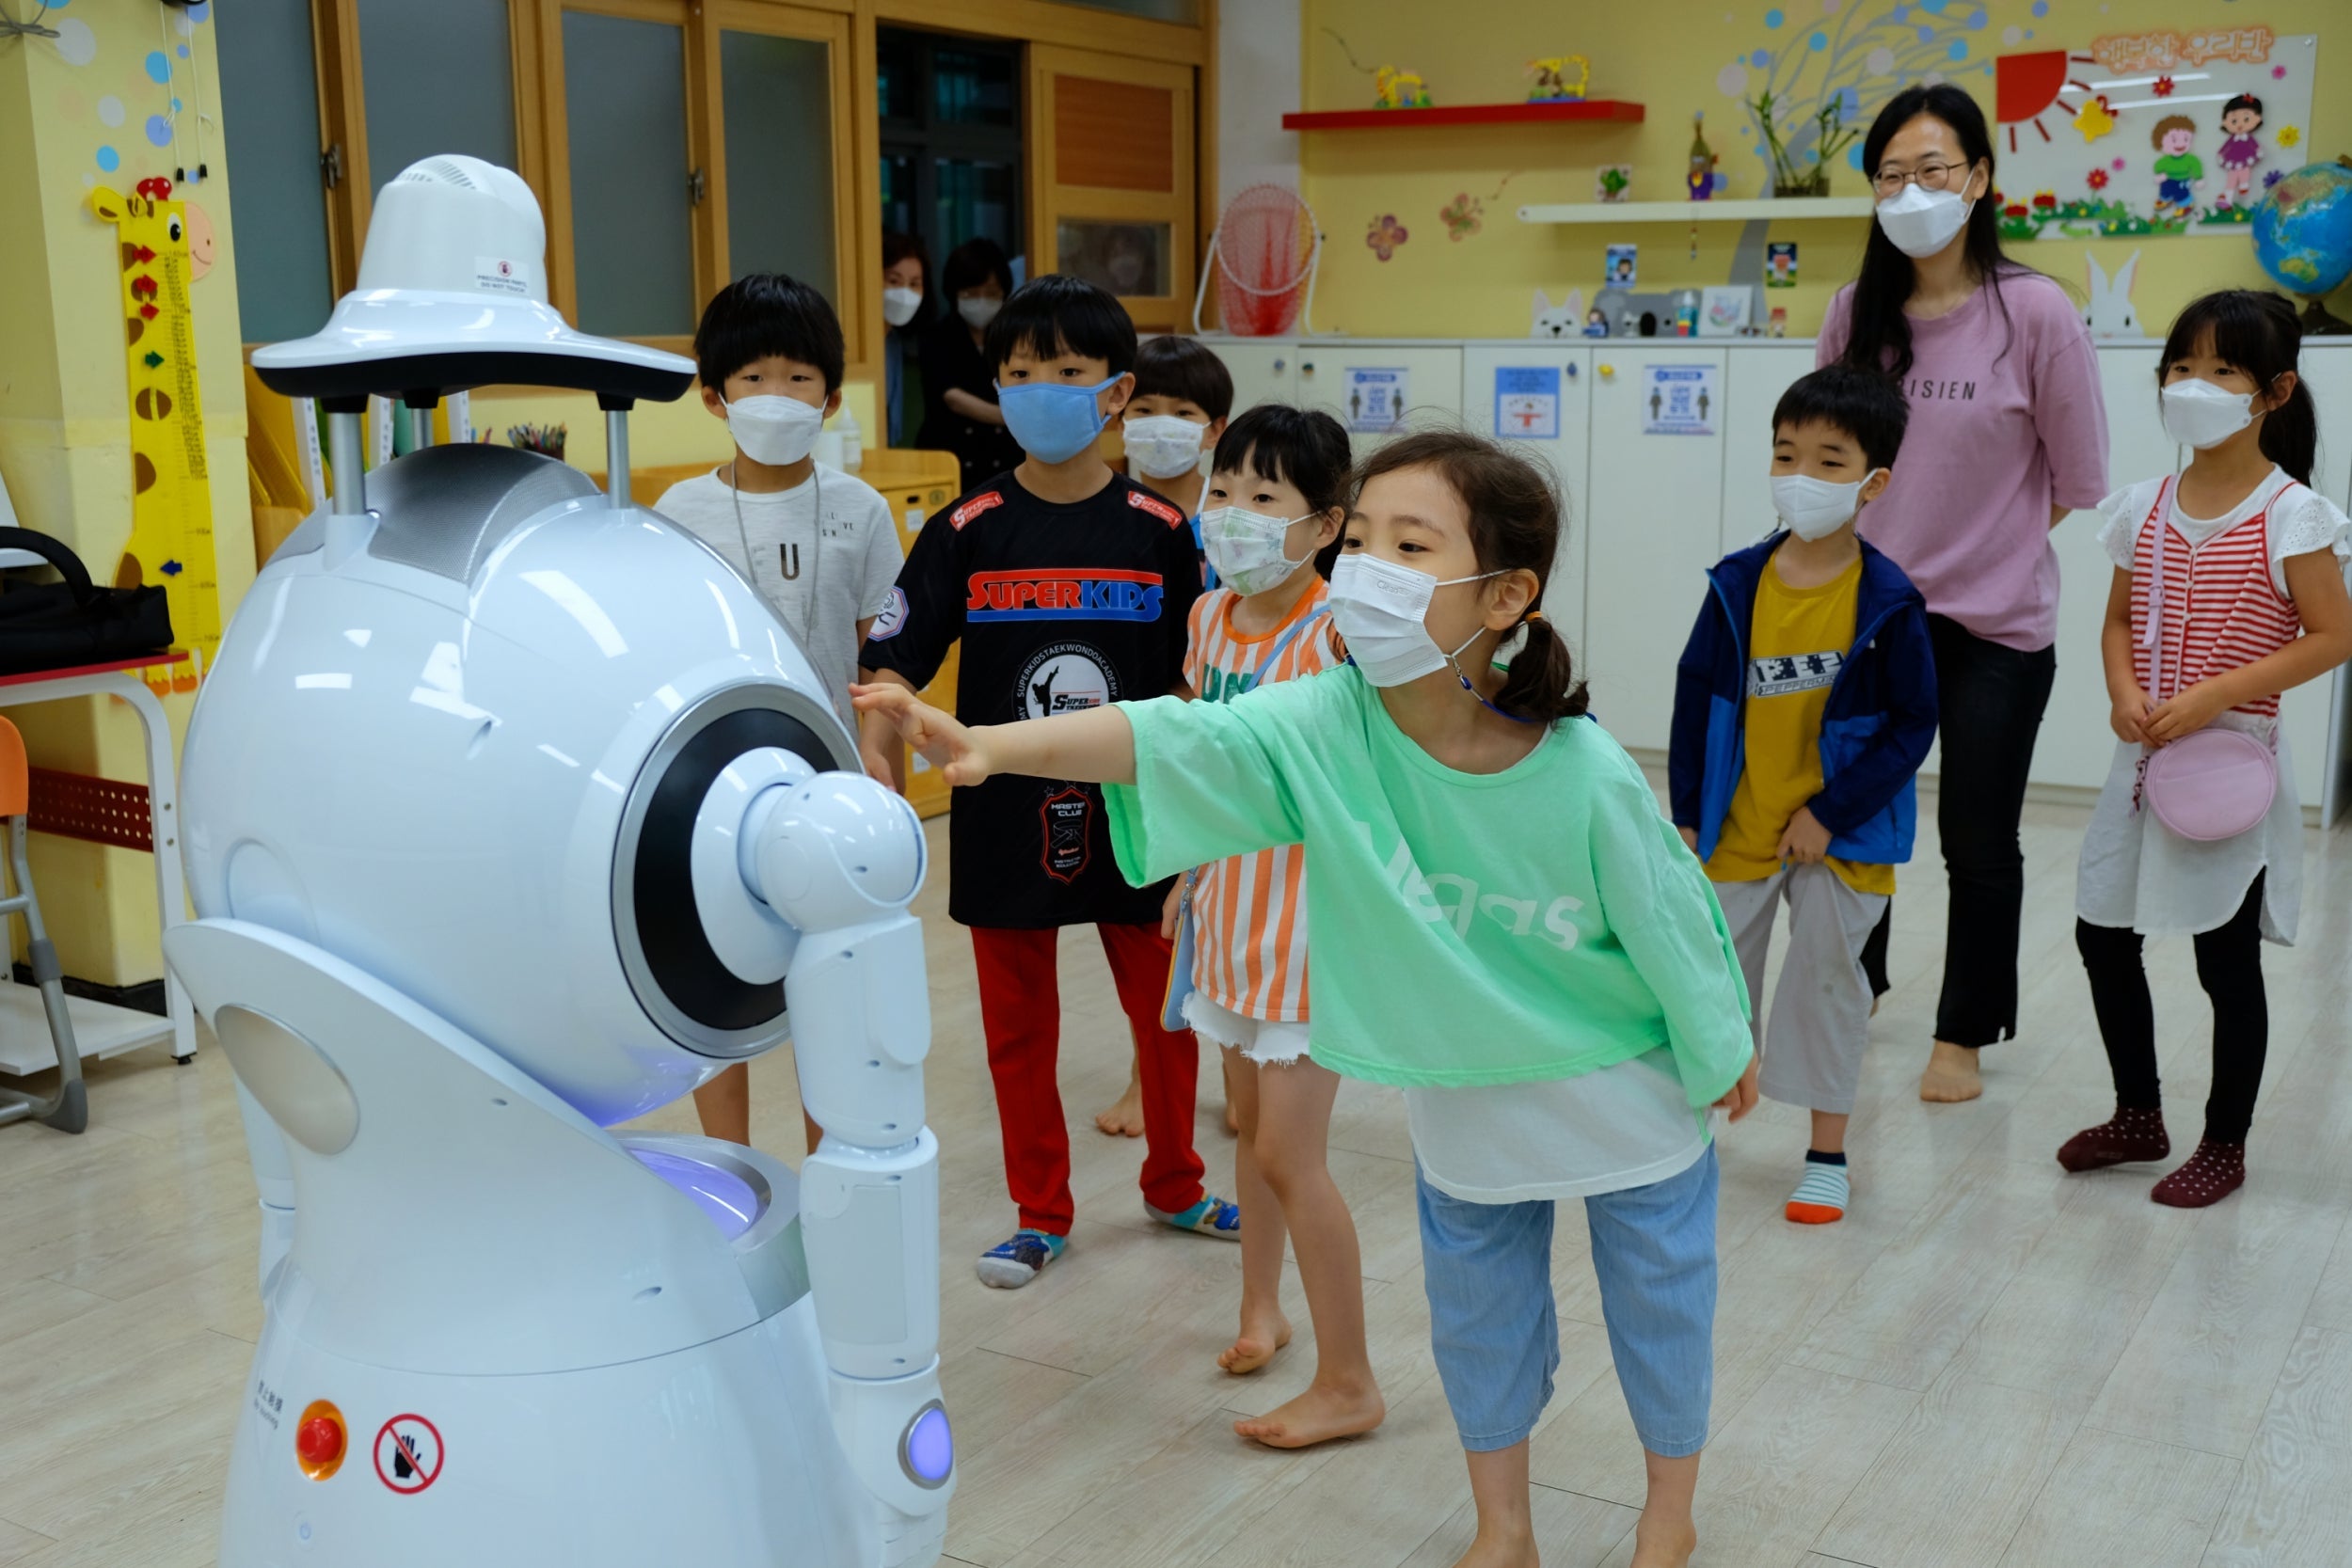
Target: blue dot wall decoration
{"x":109,"y":159}
{"x":1773,"y":19}
{"x":158,"y":67}
{"x":1977,"y":20}
{"x":159,"y":130}
{"x":1959,"y":51}
{"x":1818,"y":42}
{"x":1761,"y":59}
{"x":183,"y":51}
{"x":1933,"y":8}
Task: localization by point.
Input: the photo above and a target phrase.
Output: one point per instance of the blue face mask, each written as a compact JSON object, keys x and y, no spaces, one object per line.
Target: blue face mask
{"x":1052,"y":422}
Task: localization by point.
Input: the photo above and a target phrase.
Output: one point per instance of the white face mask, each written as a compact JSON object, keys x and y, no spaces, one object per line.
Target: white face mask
{"x":978,"y":313}
{"x":773,"y":430}
{"x":2200,"y":414}
{"x":1161,"y":446}
{"x":1923,"y":222}
{"x":899,"y":304}
{"x":1245,"y":548}
{"x":1815,"y":508}
{"x":1379,"y":608}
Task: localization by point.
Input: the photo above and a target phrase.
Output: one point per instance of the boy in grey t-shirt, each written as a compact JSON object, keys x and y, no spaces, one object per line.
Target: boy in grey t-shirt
{"x":818,"y":544}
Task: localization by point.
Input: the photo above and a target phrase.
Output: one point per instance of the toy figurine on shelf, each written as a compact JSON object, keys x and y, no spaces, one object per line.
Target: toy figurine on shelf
{"x":1399,"y":90}
{"x":1596,"y":323}
{"x":1551,"y":79}
{"x":1779,"y":327}
{"x":1612,"y":182}
{"x":1702,"y":161}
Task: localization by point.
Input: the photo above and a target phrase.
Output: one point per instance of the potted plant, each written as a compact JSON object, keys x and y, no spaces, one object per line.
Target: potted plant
{"x":1832,"y":135}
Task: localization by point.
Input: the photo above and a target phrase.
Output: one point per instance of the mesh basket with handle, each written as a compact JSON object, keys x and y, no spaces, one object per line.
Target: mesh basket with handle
{"x":1265,"y":253}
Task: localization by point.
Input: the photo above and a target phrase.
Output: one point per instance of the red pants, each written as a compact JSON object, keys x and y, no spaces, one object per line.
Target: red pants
{"x":1021,"y":1015}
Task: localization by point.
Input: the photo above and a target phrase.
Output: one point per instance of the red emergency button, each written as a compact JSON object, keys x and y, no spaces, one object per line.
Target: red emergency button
{"x":320,"y":1440}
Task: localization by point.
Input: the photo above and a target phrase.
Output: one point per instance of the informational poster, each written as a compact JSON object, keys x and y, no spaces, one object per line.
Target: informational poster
{"x":1527,"y":402}
{"x":1679,"y":400}
{"x":1780,"y":264}
{"x":1374,"y":399}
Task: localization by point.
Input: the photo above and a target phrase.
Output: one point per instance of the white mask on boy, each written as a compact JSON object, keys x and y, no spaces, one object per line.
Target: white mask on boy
{"x":777,"y":431}
{"x":1162,"y":446}
{"x":1816,"y":508}
{"x":2200,"y":414}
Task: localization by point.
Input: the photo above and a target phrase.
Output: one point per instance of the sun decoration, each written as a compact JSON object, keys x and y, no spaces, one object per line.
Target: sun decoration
{"x":1385,"y":235}
{"x":2289,"y":135}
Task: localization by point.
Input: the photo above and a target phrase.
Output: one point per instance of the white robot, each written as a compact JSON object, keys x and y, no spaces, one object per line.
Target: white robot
{"x":514,"y":813}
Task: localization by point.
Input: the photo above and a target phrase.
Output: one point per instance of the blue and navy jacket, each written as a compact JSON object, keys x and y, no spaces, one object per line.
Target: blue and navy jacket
{"x":1876,"y":729}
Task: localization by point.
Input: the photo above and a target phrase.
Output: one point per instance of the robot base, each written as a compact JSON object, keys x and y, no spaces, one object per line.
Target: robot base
{"x":721,"y":1456}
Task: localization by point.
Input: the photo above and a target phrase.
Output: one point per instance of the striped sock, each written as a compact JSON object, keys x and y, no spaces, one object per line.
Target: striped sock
{"x":1820,"y":1198}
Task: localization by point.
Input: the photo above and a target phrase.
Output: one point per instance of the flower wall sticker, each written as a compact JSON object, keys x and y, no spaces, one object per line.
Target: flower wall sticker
{"x":2098,"y":177}
{"x":1385,"y":235}
{"x":1462,"y":216}
{"x":2289,"y":135}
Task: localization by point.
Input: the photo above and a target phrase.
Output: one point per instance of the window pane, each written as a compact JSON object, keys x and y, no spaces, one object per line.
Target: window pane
{"x":1185,"y":11}
{"x":277,"y":203}
{"x":897,"y":193}
{"x":777,"y":97}
{"x":899,"y":76}
{"x":625,"y":104}
{"x":970,"y":87}
{"x":437,"y":77}
{"x":977,"y":197}
{"x":1128,"y":259}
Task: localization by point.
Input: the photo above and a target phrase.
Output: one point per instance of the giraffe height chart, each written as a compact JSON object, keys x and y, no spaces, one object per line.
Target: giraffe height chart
{"x":171,"y":498}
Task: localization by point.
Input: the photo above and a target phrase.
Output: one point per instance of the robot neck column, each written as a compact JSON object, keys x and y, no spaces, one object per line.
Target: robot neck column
{"x":616,"y":448}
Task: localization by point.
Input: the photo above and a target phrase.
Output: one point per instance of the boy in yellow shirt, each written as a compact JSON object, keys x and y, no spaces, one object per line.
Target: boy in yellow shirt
{"x":1804,"y":706}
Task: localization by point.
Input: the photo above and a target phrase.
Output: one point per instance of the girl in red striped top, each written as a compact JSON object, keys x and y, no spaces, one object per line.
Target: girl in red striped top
{"x":1270,"y":522}
{"x":2251,"y":566}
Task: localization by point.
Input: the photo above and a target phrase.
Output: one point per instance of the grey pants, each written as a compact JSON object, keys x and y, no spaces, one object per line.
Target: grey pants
{"x":1812,"y":1054}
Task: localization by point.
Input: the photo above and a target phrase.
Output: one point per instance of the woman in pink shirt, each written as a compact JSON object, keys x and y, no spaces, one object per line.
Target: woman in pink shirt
{"x":2008,"y":435}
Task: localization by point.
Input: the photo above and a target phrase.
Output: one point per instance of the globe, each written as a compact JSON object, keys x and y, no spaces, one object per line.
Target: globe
{"x":2303,"y":229}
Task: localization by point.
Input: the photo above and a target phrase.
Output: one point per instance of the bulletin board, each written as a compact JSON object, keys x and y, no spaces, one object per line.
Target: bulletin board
{"x":2125,"y":137}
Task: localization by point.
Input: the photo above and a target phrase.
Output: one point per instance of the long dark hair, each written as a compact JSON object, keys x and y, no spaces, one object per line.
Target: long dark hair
{"x":2256,"y":331}
{"x":1514,"y":525}
{"x":1879,"y":336}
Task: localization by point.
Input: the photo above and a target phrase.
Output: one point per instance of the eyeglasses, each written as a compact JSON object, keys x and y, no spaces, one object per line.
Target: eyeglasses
{"x":1931,"y":177}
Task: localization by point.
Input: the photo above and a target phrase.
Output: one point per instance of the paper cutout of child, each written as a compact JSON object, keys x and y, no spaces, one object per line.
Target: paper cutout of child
{"x":2241,"y":117}
{"x":2179,"y":171}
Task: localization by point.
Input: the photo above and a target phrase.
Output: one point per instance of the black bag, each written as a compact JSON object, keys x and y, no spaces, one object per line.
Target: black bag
{"x":58,"y":625}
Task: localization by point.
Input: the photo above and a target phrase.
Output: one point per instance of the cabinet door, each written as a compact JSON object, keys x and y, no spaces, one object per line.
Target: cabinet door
{"x":2319,"y":714}
{"x":1426,"y":382}
{"x":1560,"y":443}
{"x":1654,"y":527}
{"x":1757,"y":375}
{"x":1265,"y":370}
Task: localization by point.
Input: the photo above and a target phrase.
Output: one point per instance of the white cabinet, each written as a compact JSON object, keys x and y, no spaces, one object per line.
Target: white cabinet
{"x":1431,"y":382}
{"x":1566,"y":372}
{"x":1657,"y":526}
{"x":1265,"y":370}
{"x":1758,"y":376}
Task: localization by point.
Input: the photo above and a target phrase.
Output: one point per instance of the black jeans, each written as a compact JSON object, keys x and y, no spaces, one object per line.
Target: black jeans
{"x":1990,"y":699}
{"x":2230,"y":967}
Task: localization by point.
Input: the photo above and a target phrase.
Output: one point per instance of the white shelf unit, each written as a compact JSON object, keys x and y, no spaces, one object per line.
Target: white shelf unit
{"x":1788,"y":209}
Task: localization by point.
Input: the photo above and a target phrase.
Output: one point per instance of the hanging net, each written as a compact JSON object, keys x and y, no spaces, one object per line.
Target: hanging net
{"x":1266,"y":255}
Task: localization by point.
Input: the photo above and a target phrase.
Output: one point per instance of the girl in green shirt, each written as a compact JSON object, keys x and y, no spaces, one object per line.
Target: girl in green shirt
{"x":1501,"y":923}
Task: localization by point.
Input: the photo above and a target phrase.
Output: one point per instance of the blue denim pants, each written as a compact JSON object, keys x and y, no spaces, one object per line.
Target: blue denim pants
{"x":1492,"y":1323}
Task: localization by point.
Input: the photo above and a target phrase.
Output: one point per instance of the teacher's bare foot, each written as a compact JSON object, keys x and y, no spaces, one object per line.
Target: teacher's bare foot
{"x":1951,"y":1075}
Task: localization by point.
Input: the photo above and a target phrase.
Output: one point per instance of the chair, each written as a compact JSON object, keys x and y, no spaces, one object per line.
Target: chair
{"x":66,"y":1108}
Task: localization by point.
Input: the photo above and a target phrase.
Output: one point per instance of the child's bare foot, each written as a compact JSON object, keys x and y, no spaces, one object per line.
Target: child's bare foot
{"x":1500,"y":1551}
{"x":1951,"y":1075}
{"x":1124,"y":1119}
{"x":1664,"y":1543}
{"x":1318,"y":1415}
{"x":1255,"y":1345}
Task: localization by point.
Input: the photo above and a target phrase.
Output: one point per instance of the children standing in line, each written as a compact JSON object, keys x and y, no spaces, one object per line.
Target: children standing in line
{"x":1069,"y":587}
{"x":1500,"y":922}
{"x":818,"y":544}
{"x":1804,"y":706}
{"x":1182,"y":396}
{"x":2229,"y":590}
{"x":1276,"y":502}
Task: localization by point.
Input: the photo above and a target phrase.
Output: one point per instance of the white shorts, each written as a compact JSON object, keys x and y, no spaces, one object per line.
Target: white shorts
{"x":1269,"y":1042}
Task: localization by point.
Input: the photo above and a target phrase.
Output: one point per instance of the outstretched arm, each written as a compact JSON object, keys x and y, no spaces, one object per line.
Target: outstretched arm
{"x":1096,"y":746}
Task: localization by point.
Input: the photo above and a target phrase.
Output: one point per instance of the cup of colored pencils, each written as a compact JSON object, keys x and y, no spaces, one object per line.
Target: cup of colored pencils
{"x":546,"y":440}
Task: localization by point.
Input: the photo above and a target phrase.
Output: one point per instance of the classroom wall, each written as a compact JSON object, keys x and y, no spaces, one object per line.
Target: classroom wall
{"x":1672,"y":56}
{"x":76,"y":111}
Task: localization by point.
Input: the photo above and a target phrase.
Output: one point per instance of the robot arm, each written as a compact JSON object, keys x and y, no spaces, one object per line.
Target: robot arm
{"x":837,"y":857}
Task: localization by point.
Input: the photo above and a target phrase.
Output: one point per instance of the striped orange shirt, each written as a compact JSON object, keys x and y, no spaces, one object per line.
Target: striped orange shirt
{"x":1250,"y":941}
{"x":2221,"y":609}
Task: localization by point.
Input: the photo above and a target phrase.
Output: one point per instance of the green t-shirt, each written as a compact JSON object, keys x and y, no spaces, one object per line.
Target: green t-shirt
{"x":1463,"y":928}
{"x":2181,"y":166}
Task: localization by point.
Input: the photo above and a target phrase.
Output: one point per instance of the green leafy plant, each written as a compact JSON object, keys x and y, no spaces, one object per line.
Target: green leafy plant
{"x":1832,"y":135}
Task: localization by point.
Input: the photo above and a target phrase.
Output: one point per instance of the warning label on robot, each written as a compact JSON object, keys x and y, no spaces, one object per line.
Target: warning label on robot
{"x":408,"y":1455}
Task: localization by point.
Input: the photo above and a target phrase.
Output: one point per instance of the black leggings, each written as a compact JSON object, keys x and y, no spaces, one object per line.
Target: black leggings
{"x":2230,"y":967}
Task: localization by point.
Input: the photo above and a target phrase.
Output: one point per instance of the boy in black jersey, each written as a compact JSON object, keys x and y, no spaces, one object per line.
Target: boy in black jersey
{"x":1069,"y":587}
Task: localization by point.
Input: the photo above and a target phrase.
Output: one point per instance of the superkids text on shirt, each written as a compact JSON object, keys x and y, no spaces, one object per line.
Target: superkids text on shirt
{"x":1467,"y":928}
{"x":1060,"y":607}
{"x":1876,"y":727}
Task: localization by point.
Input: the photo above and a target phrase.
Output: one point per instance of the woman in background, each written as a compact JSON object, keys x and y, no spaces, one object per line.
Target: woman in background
{"x":960,"y":413}
{"x":906,"y":274}
{"x":2008,"y":435}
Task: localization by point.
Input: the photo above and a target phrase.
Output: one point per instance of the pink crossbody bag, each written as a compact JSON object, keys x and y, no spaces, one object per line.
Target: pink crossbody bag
{"x":2211,"y":783}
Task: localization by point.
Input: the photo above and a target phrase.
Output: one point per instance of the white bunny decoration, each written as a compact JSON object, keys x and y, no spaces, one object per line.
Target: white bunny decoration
{"x":2110,"y":312}
{"x":1564,"y":320}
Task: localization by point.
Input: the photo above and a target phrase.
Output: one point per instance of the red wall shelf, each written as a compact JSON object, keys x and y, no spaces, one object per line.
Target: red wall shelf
{"x":1605,"y":110}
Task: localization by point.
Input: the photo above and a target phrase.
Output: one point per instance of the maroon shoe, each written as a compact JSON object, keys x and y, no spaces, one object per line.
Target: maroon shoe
{"x":2212,"y":1173}
{"x":2128,"y":1137}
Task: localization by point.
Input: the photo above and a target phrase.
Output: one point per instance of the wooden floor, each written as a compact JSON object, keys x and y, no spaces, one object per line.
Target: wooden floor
{"x":1989,"y":1362}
